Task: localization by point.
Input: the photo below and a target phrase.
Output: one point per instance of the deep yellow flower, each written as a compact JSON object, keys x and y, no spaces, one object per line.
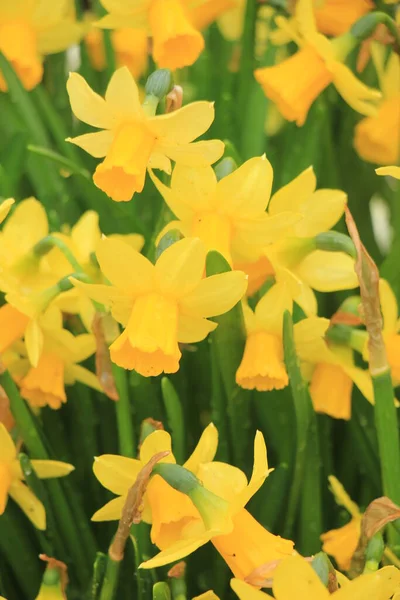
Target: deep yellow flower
{"x":262,"y":367}
{"x":243,"y":542}
{"x":131,"y":140}
{"x":330,"y":369}
{"x":302,"y":269}
{"x":30,"y":29}
{"x":295,"y":83}
{"x":227,"y":215}
{"x":5,"y":208}
{"x":295,"y":579}
{"x":163,"y":304}
{"x":335,"y":17}
{"x":173,"y":24}
{"x":392,"y":171}
{"x":391,"y":328}
{"x":11,"y":479}
{"x":341,"y":543}
{"x":377,"y":138}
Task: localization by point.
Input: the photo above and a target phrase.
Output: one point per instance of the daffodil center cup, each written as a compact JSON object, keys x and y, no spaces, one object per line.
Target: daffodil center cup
{"x":44,"y":384}
{"x":262,"y":367}
{"x":215,"y":231}
{"x":154,"y":324}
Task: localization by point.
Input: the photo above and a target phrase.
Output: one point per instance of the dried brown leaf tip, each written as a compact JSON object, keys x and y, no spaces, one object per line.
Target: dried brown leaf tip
{"x":103,"y":327}
{"x":178,"y":570}
{"x":368,"y":277}
{"x":378,"y":514}
{"x":174,"y":99}
{"x":132,"y":511}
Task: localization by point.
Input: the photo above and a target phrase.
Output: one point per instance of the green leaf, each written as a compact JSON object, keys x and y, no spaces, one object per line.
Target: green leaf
{"x":161,"y":591}
{"x":175,"y":418}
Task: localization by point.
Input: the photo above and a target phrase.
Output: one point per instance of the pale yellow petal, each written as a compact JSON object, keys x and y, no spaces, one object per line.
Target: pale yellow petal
{"x":86,"y":233}
{"x":88,"y":106}
{"x":205,"y":450}
{"x":196,"y":154}
{"x":184,"y":125}
{"x":322,"y":210}
{"x":28,"y":503}
{"x":97,"y":144}
{"x":126,"y":268}
{"x":180,"y":267}
{"x":270,"y":309}
{"x":295,"y":578}
{"x":309,"y":340}
{"x":195,"y":187}
{"x":5,"y":207}
{"x":357,"y":95}
{"x":215,"y":295}
{"x":173,"y":226}
{"x":26,"y":226}
{"x":392,"y":171}
{"x":300,"y":291}
{"x":179,"y":204}
{"x":116,"y":473}
{"x":34,"y":341}
{"x":388,"y":306}
{"x":83,"y":375}
{"x":111,"y":511}
{"x":373,"y":586}
{"x":46,"y":469}
{"x":177,"y":551}
{"x":7,"y":447}
{"x":246,"y":191}
{"x":59,"y":36}
{"x":362,"y":379}
{"x":122,"y":95}
{"x":258,"y":476}
{"x":264,"y":229}
{"x":244,"y":591}
{"x":193,"y":329}
{"x":158,"y":441}
{"x":305,"y":19}
{"x":96,"y":291}
{"x":328,"y":271}
{"x":291,"y":196}
{"x":222,"y":479}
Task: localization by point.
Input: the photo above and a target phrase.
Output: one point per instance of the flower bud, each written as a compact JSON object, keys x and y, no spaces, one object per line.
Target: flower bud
{"x":159,"y":83}
{"x":333,"y":241}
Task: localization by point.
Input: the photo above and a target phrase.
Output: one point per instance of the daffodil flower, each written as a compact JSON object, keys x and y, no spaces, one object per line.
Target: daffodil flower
{"x":295,"y":579}
{"x":341,"y":543}
{"x":377,"y":137}
{"x":173,"y":24}
{"x":130,"y":140}
{"x":293,"y":258}
{"x":295,"y":83}
{"x":243,"y":542}
{"x":31,"y":29}
{"x":330,"y":369}
{"x":11,"y":479}
{"x":227,"y":215}
{"x":262,"y":367}
{"x":163,"y":304}
{"x":335,"y":17}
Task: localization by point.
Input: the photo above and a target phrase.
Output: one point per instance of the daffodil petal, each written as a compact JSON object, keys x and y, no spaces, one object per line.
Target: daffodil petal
{"x":122,"y":95}
{"x":79,"y":373}
{"x":158,"y":160}
{"x":34,"y":341}
{"x":88,"y":106}
{"x":111,"y":511}
{"x":247,"y":592}
{"x":5,"y":207}
{"x":126,"y":268}
{"x":259,"y":474}
{"x":291,"y":196}
{"x":193,"y":329}
{"x":373,"y":586}
{"x":177,"y":202}
{"x":309,"y":340}
{"x":158,"y":441}
{"x":357,"y":95}
{"x":196,"y":154}
{"x":180,"y":267}
{"x":328,"y":271}
{"x":362,"y":379}
{"x":264,"y":229}
{"x":209,"y":595}
{"x":215,"y":295}
{"x":7,"y":447}
{"x":196,"y":187}
{"x":177,"y":551}
{"x":205,"y":450}
{"x":295,"y":578}
{"x":392,"y":171}
{"x":269,"y":310}
{"x":97,"y":144}
{"x":96,"y":291}
{"x":116,"y":473}
{"x":28,"y":503}
{"x":46,"y":469}
{"x":27,"y":225}
{"x":388,"y":306}
{"x":184,"y":125}
{"x":322,"y":210}
{"x":222,"y":479}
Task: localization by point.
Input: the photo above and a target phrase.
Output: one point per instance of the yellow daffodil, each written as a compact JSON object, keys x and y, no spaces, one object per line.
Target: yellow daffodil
{"x":295,"y":579}
{"x":262,"y":367}
{"x":227,"y":215}
{"x":173,"y":24}
{"x":330,"y":369}
{"x":131,"y":140}
{"x":163,"y":304}
{"x":391,"y":328}
{"x":377,"y":138}
{"x":342,"y":543}
{"x":295,"y":83}
{"x":209,"y":595}
{"x":230,"y":23}
{"x":130,"y":48}
{"x":243,"y":543}
{"x":292,"y":258}
{"x":31,"y":29}
{"x":335,"y":17}
{"x":5,"y":208}
{"x":392,"y":171}
{"x":11,"y":479}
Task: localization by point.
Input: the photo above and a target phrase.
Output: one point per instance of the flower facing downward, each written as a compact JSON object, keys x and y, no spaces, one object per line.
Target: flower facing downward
{"x":295,"y":83}
{"x":262,"y":367}
{"x":11,"y":479}
{"x":131,"y":140}
{"x":163,"y":304}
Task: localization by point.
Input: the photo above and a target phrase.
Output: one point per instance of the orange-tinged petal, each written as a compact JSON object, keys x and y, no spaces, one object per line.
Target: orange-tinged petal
{"x":28,"y":503}
{"x":295,"y":578}
{"x":122,"y":95}
{"x":7,"y":447}
{"x":88,"y":106}
{"x":180,"y":267}
{"x":116,"y":473}
{"x":158,"y":441}
{"x":292,"y":196}
{"x":126,"y":268}
{"x":342,"y":543}
{"x":330,"y":391}
{"x":193,"y":329}
{"x":215,"y":295}
{"x":111,"y":511}
{"x":205,"y":450}
{"x":12,"y":326}
{"x":377,"y":138}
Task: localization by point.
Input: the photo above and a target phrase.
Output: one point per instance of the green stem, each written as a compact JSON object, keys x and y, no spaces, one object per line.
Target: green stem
{"x":126,"y":432}
{"x":173,"y":408}
{"x":49,"y":242}
{"x":58,"y":158}
{"x":110,"y":581}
